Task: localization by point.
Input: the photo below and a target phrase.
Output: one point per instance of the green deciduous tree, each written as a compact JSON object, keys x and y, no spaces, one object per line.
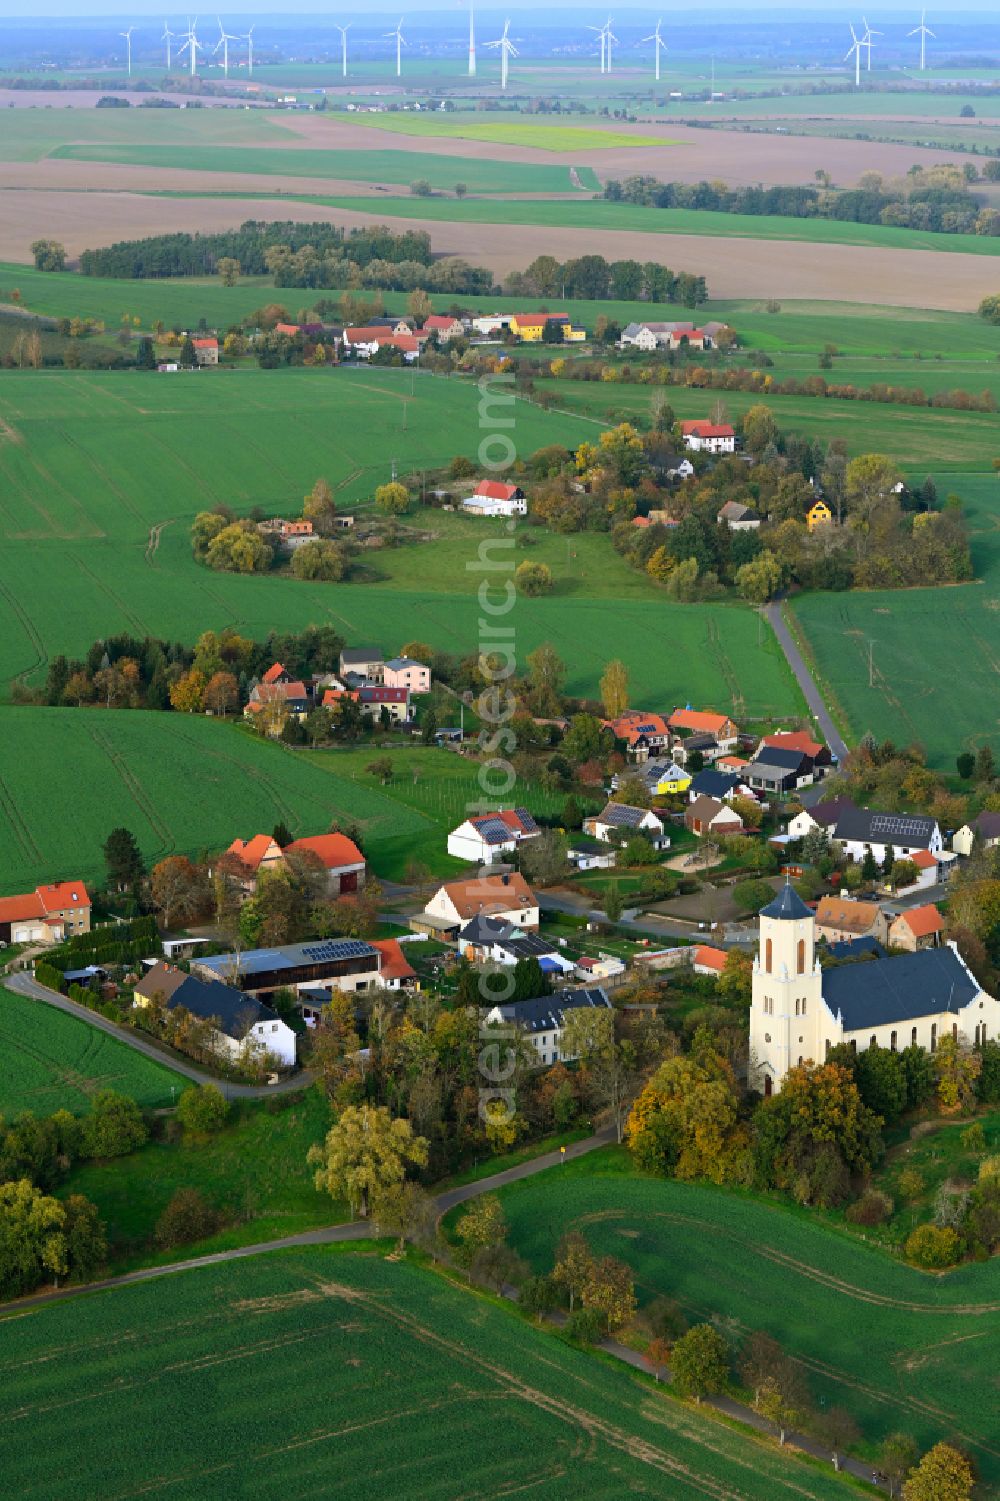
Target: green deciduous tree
{"x":364,"y":1153}
{"x":32,"y":1237}
{"x":202,"y":1110}
{"x":114,"y":1126}
{"x":699,"y":1362}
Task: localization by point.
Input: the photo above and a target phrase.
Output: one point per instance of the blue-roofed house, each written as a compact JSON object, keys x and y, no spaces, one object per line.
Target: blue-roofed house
{"x":799,"y":1011}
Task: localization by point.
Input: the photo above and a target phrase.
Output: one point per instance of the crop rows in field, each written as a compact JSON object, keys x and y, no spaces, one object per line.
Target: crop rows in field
{"x":181,"y":783}
{"x":899,"y":1348}
{"x":313,"y":1373}
{"x":52,"y":1061}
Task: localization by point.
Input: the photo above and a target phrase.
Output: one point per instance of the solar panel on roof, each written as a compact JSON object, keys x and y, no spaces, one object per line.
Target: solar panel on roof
{"x":346,"y":948}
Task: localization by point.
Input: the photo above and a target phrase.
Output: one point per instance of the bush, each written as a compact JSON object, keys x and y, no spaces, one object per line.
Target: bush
{"x":189,"y":1216}
{"x":202,"y":1109}
{"x":873,"y":1208}
{"x":911,"y":1183}
{"x":585,"y":1326}
{"x":933,"y":1247}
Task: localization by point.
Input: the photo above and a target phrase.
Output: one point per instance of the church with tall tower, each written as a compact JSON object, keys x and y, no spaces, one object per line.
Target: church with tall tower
{"x":800,"y":1010}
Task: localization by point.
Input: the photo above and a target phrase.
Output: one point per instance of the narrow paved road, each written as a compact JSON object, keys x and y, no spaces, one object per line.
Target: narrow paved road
{"x":26,"y":985}
{"x":649,"y":924}
{"x":774,"y":614}
{"x":325,"y":1235}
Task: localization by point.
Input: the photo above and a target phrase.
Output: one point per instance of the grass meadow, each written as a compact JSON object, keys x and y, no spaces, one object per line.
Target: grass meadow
{"x":52,"y":1061}
{"x":91,"y":464}
{"x":901,"y":1349}
{"x":545,"y":136}
{"x":369,"y":1373}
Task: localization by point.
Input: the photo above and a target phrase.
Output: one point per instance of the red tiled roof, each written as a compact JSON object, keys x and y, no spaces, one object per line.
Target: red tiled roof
{"x":440,"y":320}
{"x":394,"y":964}
{"x":799,"y":740}
{"x":334,"y":695}
{"x":641,"y":521}
{"x":273,"y":673}
{"x":205,"y":343}
{"x":711,"y":958}
{"x":701,"y":721}
{"x":923,"y":921}
{"x":490,"y":894}
{"x":20,"y":908}
{"x":924,"y":860}
{"x":253,"y":851}
{"x":335,"y":850}
{"x":701,"y":429}
{"x":63,"y":895}
{"x":492,"y":489}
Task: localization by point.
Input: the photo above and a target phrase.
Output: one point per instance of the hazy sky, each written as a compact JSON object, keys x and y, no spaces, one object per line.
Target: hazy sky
{"x":154,"y":9}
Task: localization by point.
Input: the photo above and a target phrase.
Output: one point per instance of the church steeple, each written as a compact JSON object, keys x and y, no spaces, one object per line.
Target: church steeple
{"x":787,"y":989}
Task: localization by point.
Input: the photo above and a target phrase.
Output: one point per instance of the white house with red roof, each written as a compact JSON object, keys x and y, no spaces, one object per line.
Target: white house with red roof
{"x":708,"y":437}
{"x":277,"y":686}
{"x":707,"y":960}
{"x":493,"y":498}
{"x":703,"y":722}
{"x":374,"y":697}
{"x":492,"y":836}
{"x":47,"y":915}
{"x":395,"y":970}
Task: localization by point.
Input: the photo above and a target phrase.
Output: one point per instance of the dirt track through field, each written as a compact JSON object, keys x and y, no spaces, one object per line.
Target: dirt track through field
{"x":734,"y":268}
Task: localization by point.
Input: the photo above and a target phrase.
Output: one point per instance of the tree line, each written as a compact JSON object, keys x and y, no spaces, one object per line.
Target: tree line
{"x":936,"y":198}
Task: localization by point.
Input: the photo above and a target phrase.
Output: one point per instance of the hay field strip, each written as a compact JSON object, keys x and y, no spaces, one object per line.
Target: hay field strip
{"x":384,"y":166}
{"x":926,"y":1362}
{"x":542,"y":137}
{"x":633,"y":218}
{"x":52,"y":1061}
{"x":370,"y":1373}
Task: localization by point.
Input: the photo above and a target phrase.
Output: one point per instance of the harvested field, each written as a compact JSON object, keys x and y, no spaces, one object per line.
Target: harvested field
{"x":732,"y":267}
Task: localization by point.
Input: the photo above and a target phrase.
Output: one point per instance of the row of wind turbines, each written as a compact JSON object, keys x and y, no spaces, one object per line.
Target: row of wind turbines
{"x":861,"y":44}
{"x":191,"y":45}
{"x":503,"y":44}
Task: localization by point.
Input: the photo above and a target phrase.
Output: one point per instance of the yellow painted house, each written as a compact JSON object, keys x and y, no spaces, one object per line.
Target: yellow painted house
{"x":819,"y":514}
{"x":529,"y":327}
{"x":671,"y":780}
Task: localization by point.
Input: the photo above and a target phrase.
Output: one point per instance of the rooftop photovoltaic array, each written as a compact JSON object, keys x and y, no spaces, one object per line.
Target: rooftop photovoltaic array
{"x":346,"y":948}
{"x":894,"y":824}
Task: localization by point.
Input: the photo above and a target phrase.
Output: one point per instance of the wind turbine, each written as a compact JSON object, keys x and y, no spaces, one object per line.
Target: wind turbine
{"x":400,"y":42}
{"x":167,"y":37}
{"x":507,"y":50}
{"x":472,"y":42}
{"x":923,"y":32}
{"x":866,"y":41}
{"x":191,"y":45}
{"x":609,"y":38}
{"x":660,"y":45}
{"x":601,"y":33}
{"x":223,"y":42}
{"x":249,"y":41}
{"x":343,"y":47}
{"x":855,"y":52}
{"x":128,"y":45}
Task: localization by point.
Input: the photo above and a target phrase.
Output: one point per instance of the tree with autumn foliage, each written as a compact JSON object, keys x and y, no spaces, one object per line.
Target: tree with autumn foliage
{"x":956,"y":1069}
{"x":944,"y":1474}
{"x":814,"y":1134}
{"x":609,"y":1290}
{"x":365,"y":1153}
{"x":685,"y":1120}
{"x":180,"y":890}
{"x":187,"y":692}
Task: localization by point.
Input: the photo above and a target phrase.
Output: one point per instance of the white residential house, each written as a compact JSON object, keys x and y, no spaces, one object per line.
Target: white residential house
{"x":985,"y":827}
{"x":491,"y":837}
{"x":239,"y":1021}
{"x":493,"y":498}
{"x":543,"y":1020}
{"x":404,"y":672}
{"x":708,"y":437}
{"x":508,"y":897}
{"x":617,"y":821}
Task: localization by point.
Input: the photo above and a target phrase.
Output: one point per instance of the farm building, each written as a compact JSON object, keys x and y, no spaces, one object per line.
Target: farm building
{"x":708,"y":815}
{"x":238,"y":1021}
{"x":493,"y":498}
{"x":46,"y":915}
{"x":350,"y":963}
{"x":703,"y":722}
{"x":530,"y":327}
{"x":491,"y":836}
{"x":917,"y":928}
{"x":343,"y":861}
{"x":841,"y":920}
{"x":799,"y":1011}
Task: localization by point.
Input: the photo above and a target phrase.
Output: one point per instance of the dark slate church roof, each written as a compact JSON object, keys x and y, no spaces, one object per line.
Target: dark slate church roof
{"x":788,"y":905}
{"x":898,"y":989}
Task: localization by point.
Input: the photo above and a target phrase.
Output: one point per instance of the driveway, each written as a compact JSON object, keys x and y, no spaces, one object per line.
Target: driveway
{"x":774,"y":613}
{"x":25,"y":984}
